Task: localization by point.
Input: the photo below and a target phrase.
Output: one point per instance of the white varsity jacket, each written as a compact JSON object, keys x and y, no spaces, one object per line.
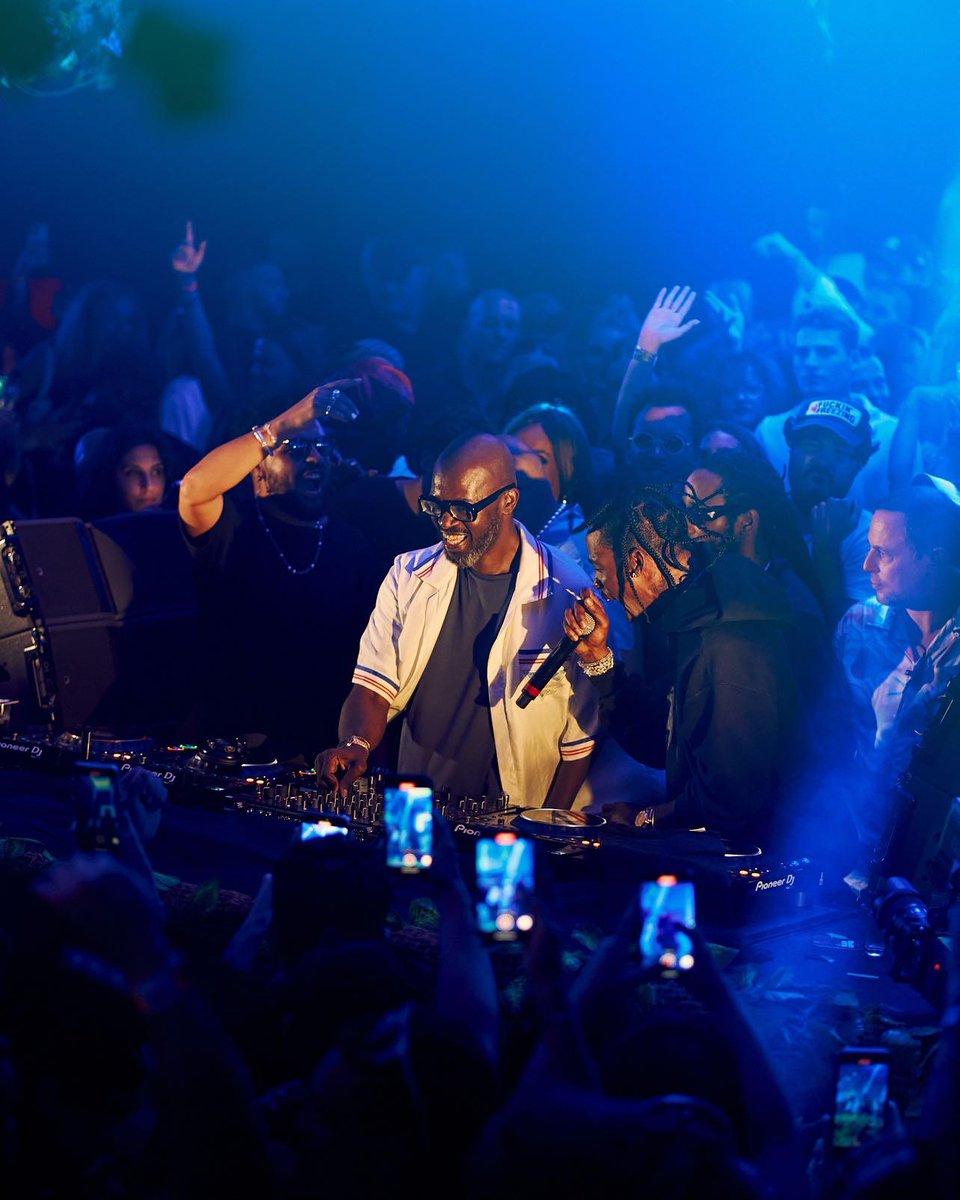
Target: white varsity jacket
{"x":403,"y":630}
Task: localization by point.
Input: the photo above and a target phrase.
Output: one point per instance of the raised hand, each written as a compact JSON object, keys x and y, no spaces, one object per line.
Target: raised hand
{"x":188,"y":258}
{"x":833,"y":520}
{"x":775,"y":245}
{"x":730,"y":315}
{"x":332,"y":403}
{"x":666,"y":321}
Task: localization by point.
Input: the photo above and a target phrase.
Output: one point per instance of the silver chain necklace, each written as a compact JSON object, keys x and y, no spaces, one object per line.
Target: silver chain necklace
{"x":318,"y":525}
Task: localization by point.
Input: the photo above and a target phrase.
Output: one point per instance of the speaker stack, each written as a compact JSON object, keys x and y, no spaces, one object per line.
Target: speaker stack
{"x":97,"y":623}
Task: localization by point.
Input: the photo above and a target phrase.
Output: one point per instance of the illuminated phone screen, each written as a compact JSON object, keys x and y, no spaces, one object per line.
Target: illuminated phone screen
{"x":669,"y":909}
{"x":408,"y":816}
{"x":320,"y":829}
{"x":505,"y":885}
{"x":861,"y":1101}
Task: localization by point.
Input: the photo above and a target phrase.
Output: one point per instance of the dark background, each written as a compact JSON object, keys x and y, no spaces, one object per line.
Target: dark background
{"x":581,"y":147}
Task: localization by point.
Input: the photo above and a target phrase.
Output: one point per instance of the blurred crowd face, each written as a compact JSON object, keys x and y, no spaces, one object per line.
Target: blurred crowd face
{"x":141,"y":479}
{"x":822,"y":364}
{"x":493,"y":327}
{"x":535,"y":436}
{"x":898,"y":573}
{"x":269,"y":291}
{"x":870,"y":380}
{"x":743,"y":397}
{"x":821,"y":465}
{"x":661,"y":450}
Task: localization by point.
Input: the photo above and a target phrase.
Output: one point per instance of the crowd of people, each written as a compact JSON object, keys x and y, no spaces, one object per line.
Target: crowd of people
{"x":745,"y":518}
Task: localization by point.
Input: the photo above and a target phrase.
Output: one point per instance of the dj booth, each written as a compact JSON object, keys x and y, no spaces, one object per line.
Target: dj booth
{"x":98,"y":645}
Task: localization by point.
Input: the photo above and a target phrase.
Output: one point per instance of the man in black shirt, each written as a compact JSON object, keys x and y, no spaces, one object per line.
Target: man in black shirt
{"x":730,"y":732}
{"x":283,"y":588}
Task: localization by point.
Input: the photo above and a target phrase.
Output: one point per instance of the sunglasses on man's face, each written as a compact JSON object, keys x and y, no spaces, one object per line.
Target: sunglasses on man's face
{"x":300,"y":449}
{"x":464,"y":511}
{"x":646,"y":443}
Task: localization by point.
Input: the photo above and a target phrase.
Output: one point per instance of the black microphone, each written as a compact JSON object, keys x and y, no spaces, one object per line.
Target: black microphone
{"x":549,"y":667}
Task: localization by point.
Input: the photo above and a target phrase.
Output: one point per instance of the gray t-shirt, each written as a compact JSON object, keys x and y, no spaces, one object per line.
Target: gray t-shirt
{"x":447,"y":733}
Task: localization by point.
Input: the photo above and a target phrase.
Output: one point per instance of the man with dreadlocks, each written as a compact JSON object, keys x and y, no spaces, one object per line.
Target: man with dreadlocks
{"x":728,"y":732}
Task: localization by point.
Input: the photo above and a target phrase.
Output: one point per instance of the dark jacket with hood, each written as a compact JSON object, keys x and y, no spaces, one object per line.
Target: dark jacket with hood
{"x":733,"y":718}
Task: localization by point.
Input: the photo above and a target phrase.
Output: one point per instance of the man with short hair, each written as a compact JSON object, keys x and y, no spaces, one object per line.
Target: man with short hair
{"x":830,"y":444}
{"x":901,"y":648}
{"x":825,"y":360}
{"x":456,"y":630}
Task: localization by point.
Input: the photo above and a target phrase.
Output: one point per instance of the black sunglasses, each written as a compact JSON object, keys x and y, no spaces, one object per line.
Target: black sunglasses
{"x":673,"y":443}
{"x":300,"y":448}
{"x":461,"y":510}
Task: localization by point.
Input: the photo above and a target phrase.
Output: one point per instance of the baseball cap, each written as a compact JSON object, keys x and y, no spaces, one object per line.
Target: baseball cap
{"x":848,"y":418}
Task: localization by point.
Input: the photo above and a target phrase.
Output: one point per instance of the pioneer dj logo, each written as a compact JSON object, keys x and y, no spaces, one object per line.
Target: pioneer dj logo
{"x":32,"y":751}
{"x":785,"y":881}
{"x":466,"y":829}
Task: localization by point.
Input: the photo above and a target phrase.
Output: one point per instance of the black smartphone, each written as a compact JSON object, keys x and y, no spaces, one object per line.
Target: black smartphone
{"x":96,"y":806}
{"x":320,"y":829}
{"x":506,"y":884}
{"x":408,"y":817}
{"x":668,"y":908}
{"x":860,"y":1096}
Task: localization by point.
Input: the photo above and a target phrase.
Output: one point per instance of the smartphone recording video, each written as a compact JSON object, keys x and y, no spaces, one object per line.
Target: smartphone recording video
{"x":408,"y":817}
{"x":320,"y":829}
{"x":505,"y":885}
{"x":96,"y":800}
{"x":668,"y":908}
{"x":860,"y":1099}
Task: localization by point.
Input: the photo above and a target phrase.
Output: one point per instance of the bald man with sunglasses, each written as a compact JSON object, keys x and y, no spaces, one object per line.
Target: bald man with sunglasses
{"x":457,"y":629}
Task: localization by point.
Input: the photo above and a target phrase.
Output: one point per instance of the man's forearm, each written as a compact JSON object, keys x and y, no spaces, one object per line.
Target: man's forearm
{"x":364,"y":714}
{"x":567,"y":782}
{"x":639,"y":375}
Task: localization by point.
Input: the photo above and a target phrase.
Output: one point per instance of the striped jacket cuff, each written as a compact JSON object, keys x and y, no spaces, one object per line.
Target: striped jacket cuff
{"x":377,"y":682}
{"x":578,"y":749}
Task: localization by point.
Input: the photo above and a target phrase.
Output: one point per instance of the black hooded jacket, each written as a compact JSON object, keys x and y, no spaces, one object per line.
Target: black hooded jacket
{"x":734,"y":721}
